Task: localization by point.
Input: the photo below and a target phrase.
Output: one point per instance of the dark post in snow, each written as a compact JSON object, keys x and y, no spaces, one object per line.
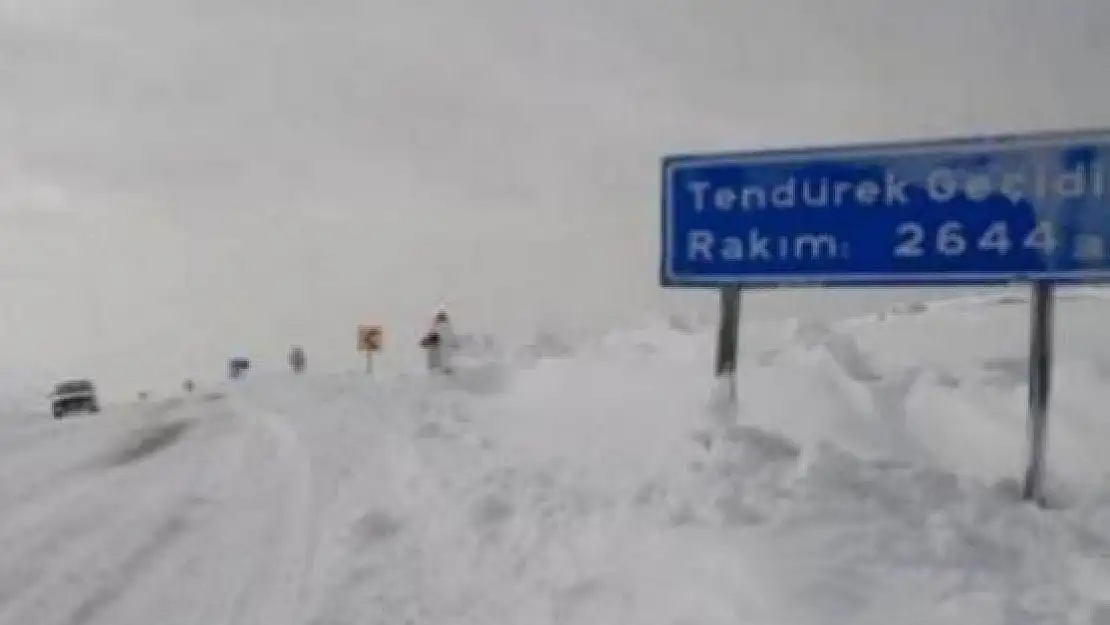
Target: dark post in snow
{"x":1040,"y":378}
{"x":728,"y":335}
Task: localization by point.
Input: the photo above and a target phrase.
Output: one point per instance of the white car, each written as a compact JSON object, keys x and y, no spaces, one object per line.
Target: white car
{"x":73,"y":396}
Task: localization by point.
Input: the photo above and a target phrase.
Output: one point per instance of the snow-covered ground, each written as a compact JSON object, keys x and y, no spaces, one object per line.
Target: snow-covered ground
{"x":866,"y":477}
{"x":185,"y":181}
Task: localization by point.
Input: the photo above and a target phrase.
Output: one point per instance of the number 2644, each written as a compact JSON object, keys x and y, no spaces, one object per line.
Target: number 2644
{"x":953,"y":239}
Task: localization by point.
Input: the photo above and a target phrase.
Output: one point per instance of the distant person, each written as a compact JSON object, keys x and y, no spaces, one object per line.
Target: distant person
{"x":440,"y":344}
{"x":297,"y":359}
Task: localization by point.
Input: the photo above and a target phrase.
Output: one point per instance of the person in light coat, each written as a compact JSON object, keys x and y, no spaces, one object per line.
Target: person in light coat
{"x":440,"y":344}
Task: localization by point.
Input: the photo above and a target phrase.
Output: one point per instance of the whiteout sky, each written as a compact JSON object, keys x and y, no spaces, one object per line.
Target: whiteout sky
{"x":184,"y":179}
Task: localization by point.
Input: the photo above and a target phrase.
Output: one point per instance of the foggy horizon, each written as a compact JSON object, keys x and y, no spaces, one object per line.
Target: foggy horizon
{"x":183,"y":181}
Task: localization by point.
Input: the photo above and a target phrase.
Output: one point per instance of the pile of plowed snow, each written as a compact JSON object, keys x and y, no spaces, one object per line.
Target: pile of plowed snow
{"x":866,"y":476}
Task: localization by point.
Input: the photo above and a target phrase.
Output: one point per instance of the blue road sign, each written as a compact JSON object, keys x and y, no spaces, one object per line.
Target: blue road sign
{"x":963,"y":211}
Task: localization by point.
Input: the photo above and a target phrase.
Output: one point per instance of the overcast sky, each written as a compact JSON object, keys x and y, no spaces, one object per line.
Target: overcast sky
{"x":184,"y":179}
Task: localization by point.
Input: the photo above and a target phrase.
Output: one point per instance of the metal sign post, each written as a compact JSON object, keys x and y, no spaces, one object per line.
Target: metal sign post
{"x":1040,"y":382}
{"x":963,"y":211}
{"x":369,"y":342}
{"x":728,"y":336}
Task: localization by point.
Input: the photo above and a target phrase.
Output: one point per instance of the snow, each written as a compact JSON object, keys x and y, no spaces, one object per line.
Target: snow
{"x":182,"y":181}
{"x":867,"y":475}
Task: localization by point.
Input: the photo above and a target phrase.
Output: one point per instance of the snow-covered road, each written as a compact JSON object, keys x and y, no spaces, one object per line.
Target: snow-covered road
{"x":195,"y":510}
{"x":867,"y":478}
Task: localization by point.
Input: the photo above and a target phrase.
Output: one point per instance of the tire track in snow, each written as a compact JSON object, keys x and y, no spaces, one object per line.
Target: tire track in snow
{"x":30,"y":435}
{"x":48,"y":463}
{"x":386,"y":548}
{"x":355,"y":471}
{"x":164,"y":536}
{"x":279,"y":592}
{"x":41,"y":526}
{"x":81,"y":545}
{"x":125,"y":544}
{"x":39,"y":465}
{"x":85,"y":478}
{"x":149,"y":442}
{"x":206,"y":575}
{"x":246,"y":556}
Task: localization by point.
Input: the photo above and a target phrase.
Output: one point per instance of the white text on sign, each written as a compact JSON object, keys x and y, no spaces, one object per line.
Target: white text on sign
{"x":952,"y":239}
{"x":913,"y":240}
{"x":704,"y":245}
{"x":940,"y":184}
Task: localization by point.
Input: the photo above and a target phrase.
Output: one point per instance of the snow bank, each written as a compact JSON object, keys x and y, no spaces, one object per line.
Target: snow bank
{"x":866,"y":476}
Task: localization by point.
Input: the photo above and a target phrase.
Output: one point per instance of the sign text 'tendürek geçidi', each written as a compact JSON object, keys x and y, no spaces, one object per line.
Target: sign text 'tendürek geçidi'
{"x":980,"y":211}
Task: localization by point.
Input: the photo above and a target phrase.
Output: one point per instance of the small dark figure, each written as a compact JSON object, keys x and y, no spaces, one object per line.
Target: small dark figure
{"x":439,"y":344}
{"x":297,"y":359}
{"x":236,"y":367}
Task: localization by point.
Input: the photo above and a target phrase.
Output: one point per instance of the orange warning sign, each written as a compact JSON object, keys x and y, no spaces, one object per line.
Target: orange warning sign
{"x":369,"y":338}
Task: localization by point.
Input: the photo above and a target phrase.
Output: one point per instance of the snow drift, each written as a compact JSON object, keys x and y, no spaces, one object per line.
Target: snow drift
{"x":867,"y":476}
